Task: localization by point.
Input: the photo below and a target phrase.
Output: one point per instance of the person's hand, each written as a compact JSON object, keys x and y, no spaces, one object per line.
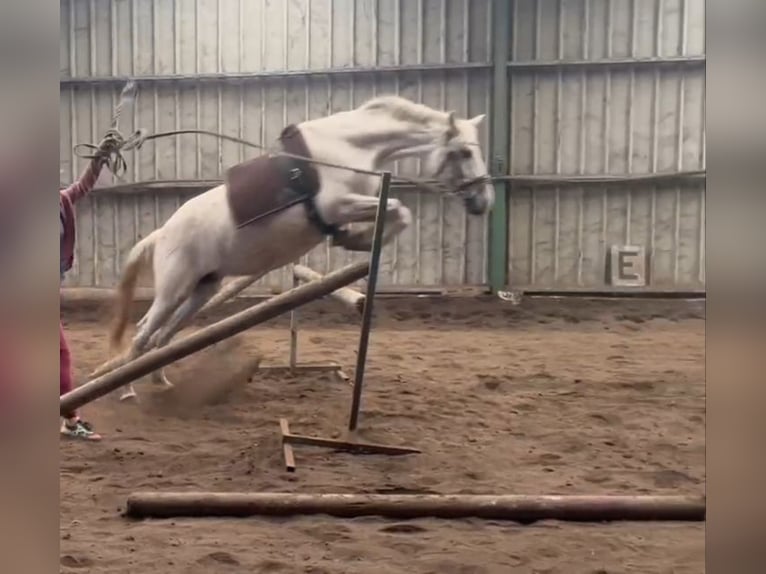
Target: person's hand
{"x":108,"y":146}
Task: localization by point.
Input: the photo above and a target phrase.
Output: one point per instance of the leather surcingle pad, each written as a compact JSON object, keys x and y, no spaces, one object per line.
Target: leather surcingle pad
{"x":270,"y":183}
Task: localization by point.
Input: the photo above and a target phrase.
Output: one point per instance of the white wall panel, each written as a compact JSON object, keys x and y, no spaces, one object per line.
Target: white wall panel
{"x":574,"y":113}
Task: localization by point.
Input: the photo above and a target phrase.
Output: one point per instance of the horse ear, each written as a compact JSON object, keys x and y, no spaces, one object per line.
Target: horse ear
{"x":452,"y":130}
{"x":476,"y":120}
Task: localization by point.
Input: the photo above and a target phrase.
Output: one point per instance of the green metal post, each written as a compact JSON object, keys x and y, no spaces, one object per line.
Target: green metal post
{"x":500,"y":147}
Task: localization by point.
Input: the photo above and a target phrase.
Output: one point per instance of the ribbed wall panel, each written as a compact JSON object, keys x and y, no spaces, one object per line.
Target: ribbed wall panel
{"x":580,"y":118}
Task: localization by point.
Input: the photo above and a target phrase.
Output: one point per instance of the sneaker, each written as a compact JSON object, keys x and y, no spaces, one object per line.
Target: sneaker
{"x":79,"y":429}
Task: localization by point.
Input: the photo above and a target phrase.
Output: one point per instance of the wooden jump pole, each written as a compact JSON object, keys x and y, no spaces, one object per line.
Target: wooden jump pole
{"x":210,"y":335}
{"x":517,"y":508}
{"x":348,"y":296}
{"x":229,"y":291}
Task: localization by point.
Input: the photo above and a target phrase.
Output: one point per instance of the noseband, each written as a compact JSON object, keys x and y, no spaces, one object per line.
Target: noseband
{"x":461,"y":189}
{"x":462,"y":186}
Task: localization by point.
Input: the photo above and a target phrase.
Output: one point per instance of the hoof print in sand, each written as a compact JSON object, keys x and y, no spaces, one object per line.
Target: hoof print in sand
{"x":76,"y":561}
{"x":219,"y":558}
{"x":403,"y":528}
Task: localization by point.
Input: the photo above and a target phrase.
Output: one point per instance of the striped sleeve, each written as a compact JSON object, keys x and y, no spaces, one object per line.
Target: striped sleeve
{"x":85,"y":184}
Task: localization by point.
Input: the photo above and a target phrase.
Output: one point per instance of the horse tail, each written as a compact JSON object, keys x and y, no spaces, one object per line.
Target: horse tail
{"x":138,"y":257}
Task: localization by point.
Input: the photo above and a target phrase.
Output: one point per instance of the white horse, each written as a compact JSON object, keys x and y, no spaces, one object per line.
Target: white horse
{"x":201,"y":243}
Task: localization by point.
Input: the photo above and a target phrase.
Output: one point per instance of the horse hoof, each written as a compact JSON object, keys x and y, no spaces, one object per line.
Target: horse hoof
{"x":162,"y":380}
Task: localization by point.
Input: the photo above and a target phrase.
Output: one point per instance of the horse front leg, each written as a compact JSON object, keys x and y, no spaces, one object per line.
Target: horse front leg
{"x":397,"y":218}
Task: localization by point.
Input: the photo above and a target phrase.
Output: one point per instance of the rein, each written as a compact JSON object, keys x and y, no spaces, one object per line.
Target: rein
{"x":118,"y":143}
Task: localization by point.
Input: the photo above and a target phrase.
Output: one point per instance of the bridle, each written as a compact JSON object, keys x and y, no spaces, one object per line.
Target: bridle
{"x":453,"y":160}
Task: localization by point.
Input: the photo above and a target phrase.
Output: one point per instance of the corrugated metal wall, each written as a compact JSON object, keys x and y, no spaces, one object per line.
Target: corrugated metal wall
{"x":298,"y":55}
{"x":597,"y":87}
{"x":614,"y":88}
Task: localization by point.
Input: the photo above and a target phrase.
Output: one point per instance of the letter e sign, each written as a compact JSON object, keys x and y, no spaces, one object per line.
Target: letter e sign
{"x":627,"y":266}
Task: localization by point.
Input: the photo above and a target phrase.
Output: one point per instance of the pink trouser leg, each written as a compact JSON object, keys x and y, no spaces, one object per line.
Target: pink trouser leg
{"x":65,"y":365}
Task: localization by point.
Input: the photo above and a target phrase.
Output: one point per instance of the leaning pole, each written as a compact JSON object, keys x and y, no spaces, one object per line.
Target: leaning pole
{"x":224,"y":329}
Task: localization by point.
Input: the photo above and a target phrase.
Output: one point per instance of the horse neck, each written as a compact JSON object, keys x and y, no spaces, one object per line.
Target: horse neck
{"x":366,"y":141}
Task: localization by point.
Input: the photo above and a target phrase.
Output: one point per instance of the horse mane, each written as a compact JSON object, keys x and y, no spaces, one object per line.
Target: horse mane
{"x":405,"y":110}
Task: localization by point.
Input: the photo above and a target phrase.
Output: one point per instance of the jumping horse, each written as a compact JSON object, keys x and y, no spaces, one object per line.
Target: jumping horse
{"x":273,"y":209}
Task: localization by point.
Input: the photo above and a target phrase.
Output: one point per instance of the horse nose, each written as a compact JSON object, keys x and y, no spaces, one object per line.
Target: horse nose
{"x":476,"y":204}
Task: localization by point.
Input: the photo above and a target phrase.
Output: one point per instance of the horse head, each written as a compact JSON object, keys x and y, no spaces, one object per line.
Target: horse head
{"x":457,"y":163}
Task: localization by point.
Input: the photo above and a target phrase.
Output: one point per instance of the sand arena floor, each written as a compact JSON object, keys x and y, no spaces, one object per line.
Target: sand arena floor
{"x":548,"y":397}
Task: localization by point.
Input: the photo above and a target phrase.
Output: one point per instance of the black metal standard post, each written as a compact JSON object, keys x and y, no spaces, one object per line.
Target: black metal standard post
{"x":294,"y":331}
{"x":372,"y":282}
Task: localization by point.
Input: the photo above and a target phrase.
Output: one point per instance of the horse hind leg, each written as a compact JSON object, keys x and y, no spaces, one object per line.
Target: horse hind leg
{"x":205,"y":289}
{"x":129,"y":392}
{"x":142,"y":321}
{"x":166,"y":301}
{"x":158,"y":313}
